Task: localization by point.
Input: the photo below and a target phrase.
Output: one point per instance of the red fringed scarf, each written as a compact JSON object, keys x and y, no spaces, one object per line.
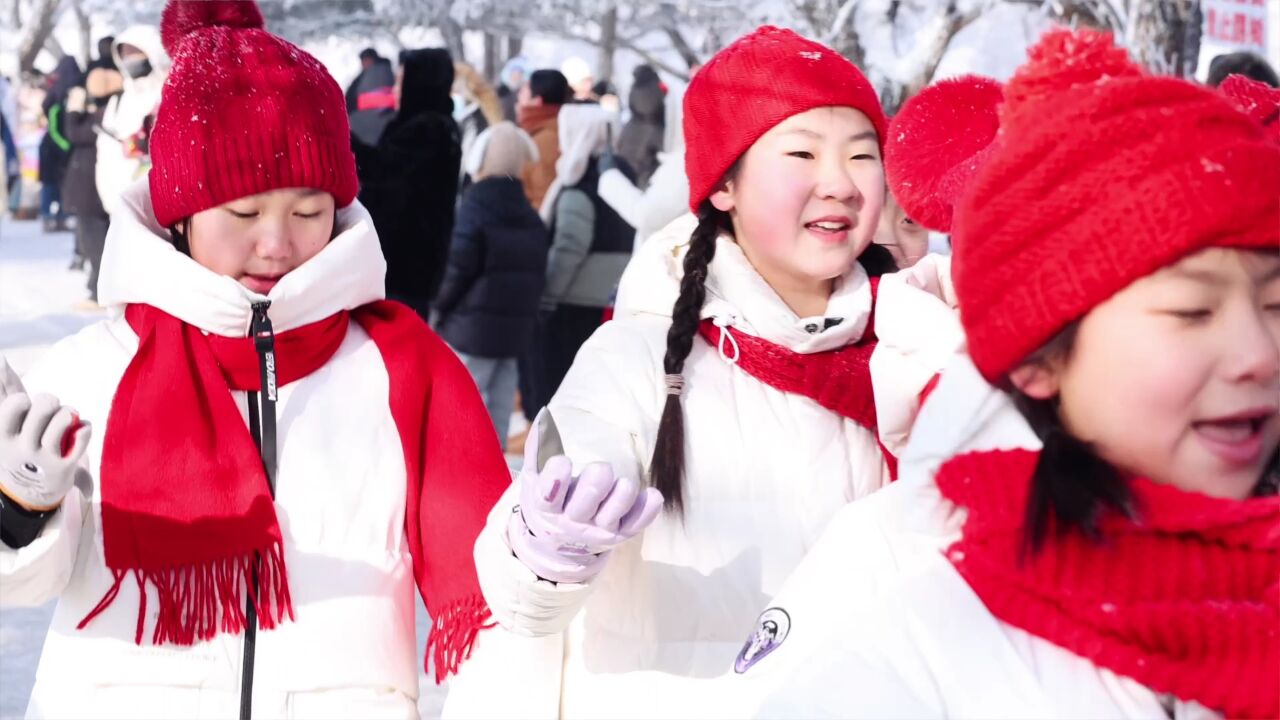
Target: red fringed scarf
{"x":185,"y":501}
{"x":1185,"y":600}
{"x":838,"y":380}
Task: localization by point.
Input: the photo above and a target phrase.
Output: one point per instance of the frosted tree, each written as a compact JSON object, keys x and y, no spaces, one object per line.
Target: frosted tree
{"x":1164,"y":35}
{"x":37,"y":20}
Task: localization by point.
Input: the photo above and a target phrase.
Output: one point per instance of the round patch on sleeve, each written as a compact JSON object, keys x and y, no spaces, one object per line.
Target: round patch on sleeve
{"x":772,"y":627}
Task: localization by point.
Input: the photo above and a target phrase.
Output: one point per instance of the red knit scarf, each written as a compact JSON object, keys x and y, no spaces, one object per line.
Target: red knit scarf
{"x":1185,"y":600}
{"x":185,"y":502}
{"x":838,"y":380}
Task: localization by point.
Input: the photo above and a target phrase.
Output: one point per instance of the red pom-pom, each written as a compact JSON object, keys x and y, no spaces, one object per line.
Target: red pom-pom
{"x":183,"y":17}
{"x":935,"y":144}
{"x":1065,"y":59}
{"x":1256,"y":99}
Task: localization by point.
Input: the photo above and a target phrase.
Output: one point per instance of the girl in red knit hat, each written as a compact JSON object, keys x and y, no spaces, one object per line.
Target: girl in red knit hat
{"x":742,"y":379}
{"x":278,"y":456}
{"x":1087,"y":523}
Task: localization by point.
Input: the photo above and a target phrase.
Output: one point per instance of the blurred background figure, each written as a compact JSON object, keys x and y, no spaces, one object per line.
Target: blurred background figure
{"x":581,"y":78}
{"x":477,"y":107}
{"x":905,"y":239}
{"x":667,"y":195}
{"x":514,"y":75}
{"x":371,"y":99}
{"x":488,"y":303}
{"x":86,"y":107}
{"x":104,"y":60}
{"x":124,"y":140}
{"x":1241,"y":63}
{"x":641,"y":138}
{"x":9,"y":168}
{"x":590,"y":246}
{"x":409,"y":180}
{"x":606,"y":93}
{"x":369,"y":58}
{"x":55,"y":150}
{"x":540,"y":101}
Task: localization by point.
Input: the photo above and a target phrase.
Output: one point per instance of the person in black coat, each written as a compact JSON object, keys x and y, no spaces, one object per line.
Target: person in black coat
{"x":105,"y":60}
{"x":409,"y":181}
{"x":374,"y":102}
{"x":368,"y":58}
{"x":488,"y":303}
{"x":54,"y":147}
{"x":85,"y":108}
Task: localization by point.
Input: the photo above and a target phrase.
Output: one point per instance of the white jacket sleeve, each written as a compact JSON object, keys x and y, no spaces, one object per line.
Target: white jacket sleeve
{"x":605,"y":411}
{"x":919,"y":334}
{"x":39,"y":572}
{"x":649,"y":210}
{"x":622,"y":195}
{"x":521,"y":601}
{"x":82,"y":371}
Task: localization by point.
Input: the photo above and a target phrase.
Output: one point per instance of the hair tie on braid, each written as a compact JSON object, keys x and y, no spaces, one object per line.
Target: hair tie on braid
{"x":675,"y":384}
{"x":667,"y":467}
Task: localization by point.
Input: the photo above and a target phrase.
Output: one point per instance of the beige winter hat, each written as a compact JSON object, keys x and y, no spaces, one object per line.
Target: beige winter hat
{"x":103,"y":82}
{"x":502,"y":149}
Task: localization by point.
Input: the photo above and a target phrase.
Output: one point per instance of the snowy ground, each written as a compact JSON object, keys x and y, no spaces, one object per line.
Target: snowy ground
{"x":37,"y":298}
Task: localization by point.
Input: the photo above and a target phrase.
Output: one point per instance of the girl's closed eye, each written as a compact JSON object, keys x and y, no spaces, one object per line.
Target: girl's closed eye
{"x":1190,"y":314}
{"x":308,"y":215}
{"x":243,"y":214}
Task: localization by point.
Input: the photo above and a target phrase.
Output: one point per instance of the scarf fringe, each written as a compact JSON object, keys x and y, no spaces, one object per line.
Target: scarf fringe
{"x":453,"y":634}
{"x":199,"y":601}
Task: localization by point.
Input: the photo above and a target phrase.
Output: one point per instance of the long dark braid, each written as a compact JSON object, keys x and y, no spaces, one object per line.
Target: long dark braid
{"x":667,"y":469}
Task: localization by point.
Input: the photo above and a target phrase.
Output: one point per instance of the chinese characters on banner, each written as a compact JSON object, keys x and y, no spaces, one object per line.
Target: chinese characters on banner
{"x":1240,"y":23}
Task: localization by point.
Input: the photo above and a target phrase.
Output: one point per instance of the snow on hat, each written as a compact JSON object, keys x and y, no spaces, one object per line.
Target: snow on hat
{"x":242,"y":112}
{"x":936,"y":143}
{"x":1101,"y":174}
{"x":752,"y":85}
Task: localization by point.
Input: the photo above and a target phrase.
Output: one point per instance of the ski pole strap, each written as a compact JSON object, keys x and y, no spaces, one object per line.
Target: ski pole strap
{"x":264,"y":341}
{"x":262,"y":426}
{"x":250,"y":614}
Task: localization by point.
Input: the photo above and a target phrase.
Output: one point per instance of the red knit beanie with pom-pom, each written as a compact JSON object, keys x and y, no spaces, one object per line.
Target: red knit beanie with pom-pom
{"x":242,"y":112}
{"x":1100,"y":174}
{"x":756,"y":82}
{"x":1256,"y":99}
{"x":927,"y":170}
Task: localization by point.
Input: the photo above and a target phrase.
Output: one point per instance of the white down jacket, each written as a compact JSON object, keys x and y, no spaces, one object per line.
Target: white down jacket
{"x":881,"y":625}
{"x":351,"y":650}
{"x":765,"y":472}
{"x":125,"y":114}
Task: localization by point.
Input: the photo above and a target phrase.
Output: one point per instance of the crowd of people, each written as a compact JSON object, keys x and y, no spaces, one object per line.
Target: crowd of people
{"x":783,"y":460}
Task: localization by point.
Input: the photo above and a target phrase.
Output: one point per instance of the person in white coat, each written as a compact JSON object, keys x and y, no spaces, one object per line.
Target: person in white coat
{"x":123,"y":155}
{"x":742,"y":376}
{"x":667,"y":194}
{"x":234,"y":485}
{"x":1086,"y":521}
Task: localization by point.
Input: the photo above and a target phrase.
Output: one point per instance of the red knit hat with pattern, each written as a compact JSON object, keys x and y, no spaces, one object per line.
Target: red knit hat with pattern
{"x":1101,"y":174}
{"x":755,"y":83}
{"x":242,"y":112}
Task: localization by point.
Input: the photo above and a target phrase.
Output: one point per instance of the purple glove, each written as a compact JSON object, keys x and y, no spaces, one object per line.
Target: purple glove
{"x":565,"y":527}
